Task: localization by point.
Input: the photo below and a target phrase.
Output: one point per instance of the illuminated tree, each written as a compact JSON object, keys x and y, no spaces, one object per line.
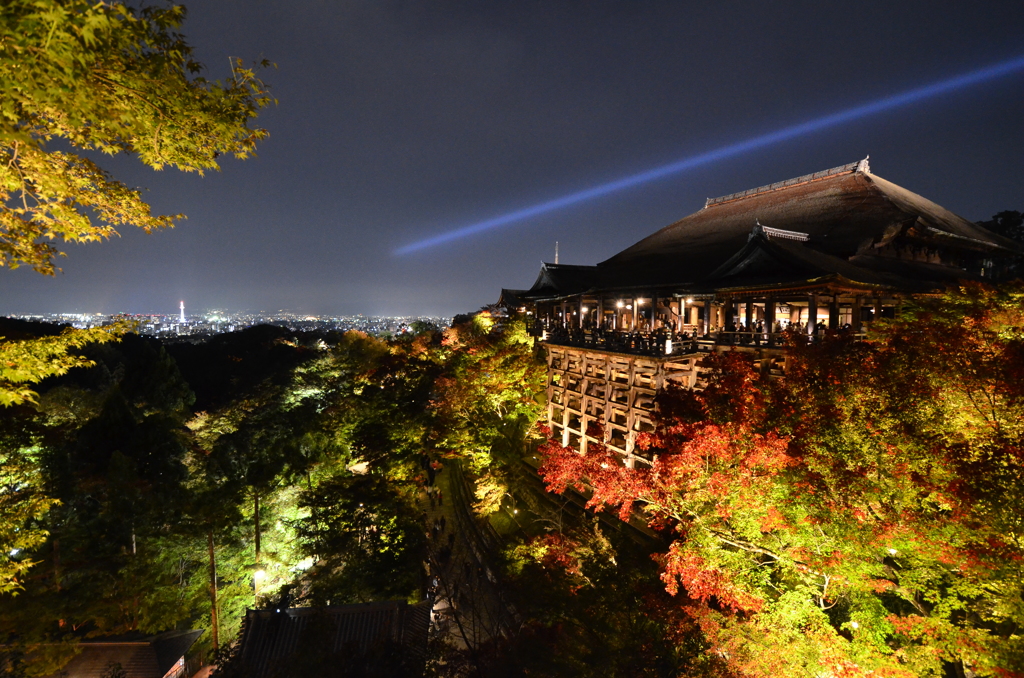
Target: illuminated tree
{"x":23,"y":503}
{"x":103,"y":76}
{"x":858,"y":517}
{"x":487,"y":400}
{"x":81,"y":76}
{"x":27,"y":361}
{"x":365,"y":537}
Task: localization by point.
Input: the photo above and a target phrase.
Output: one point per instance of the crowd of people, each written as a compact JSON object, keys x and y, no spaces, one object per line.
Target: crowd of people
{"x":665,"y":341}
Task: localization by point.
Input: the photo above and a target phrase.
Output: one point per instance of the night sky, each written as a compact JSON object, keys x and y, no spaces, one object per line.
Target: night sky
{"x":400,"y":120}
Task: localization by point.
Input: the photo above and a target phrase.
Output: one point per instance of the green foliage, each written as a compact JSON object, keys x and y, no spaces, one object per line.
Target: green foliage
{"x":23,"y":503}
{"x":93,"y":76}
{"x":103,"y":76}
{"x":29,"y":361}
{"x":310,"y":445}
{"x":590,"y":605}
{"x":487,"y":400}
{"x":365,"y":537}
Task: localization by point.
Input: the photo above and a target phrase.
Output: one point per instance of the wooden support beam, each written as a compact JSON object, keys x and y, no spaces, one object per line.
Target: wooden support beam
{"x":812,"y":314}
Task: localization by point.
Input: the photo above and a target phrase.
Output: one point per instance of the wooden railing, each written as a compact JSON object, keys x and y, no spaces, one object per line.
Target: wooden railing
{"x":663,"y":343}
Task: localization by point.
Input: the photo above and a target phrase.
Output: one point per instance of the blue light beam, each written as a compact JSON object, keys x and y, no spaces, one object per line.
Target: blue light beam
{"x":786,"y":133}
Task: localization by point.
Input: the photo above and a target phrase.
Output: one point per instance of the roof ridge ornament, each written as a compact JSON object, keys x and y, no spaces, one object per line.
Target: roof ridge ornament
{"x":849,"y":168}
{"x":757,"y":230}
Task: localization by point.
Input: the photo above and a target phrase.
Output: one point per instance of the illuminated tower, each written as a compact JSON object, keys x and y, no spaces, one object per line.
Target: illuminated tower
{"x":181,"y":317}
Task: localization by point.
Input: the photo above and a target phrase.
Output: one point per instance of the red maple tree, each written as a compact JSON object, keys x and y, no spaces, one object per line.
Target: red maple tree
{"x":859,"y":517}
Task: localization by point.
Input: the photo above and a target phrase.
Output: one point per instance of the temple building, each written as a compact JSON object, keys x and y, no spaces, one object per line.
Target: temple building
{"x":833,"y":250}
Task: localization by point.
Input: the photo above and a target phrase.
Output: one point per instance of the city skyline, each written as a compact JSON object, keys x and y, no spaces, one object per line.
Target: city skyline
{"x":210,"y":322}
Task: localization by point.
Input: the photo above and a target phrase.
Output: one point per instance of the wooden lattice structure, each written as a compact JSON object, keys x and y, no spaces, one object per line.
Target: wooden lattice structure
{"x":832,"y":251}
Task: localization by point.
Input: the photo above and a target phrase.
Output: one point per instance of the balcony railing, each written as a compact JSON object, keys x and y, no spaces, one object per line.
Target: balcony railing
{"x":663,"y":343}
{"x":653,"y":344}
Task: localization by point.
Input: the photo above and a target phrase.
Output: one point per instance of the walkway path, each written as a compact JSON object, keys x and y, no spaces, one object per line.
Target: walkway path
{"x":468,"y":606}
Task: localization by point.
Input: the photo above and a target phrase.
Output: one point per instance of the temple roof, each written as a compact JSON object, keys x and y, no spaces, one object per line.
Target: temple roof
{"x":150,"y":657}
{"x":843,"y":216}
{"x":561,"y":279}
{"x":777,"y":259}
{"x":272,"y":638}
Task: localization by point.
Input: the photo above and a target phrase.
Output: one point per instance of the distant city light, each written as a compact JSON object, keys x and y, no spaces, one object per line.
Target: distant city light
{"x":905,"y":98}
{"x":212,"y":322}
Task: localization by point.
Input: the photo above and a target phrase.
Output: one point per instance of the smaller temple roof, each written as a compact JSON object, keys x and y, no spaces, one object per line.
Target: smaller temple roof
{"x":271,"y":637}
{"x":773,"y":257}
{"x":511,"y":298}
{"x":556,"y":280}
{"x":140,"y":657}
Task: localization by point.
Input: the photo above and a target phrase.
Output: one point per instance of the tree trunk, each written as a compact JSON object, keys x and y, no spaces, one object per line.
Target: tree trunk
{"x":256,"y":512}
{"x":213,"y":592}
{"x":256,"y":573}
{"x":56,"y":563}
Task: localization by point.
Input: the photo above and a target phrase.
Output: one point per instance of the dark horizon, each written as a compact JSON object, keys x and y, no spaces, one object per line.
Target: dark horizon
{"x":399,"y":122}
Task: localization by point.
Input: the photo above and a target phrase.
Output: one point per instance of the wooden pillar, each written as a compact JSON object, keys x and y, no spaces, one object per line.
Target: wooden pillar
{"x":600,"y":312}
{"x":565,"y":413}
{"x":878,"y":309}
{"x":214,"y":612}
{"x":579,"y":309}
{"x":769,"y":319}
{"x":606,"y":417}
{"x":749,"y":315}
{"x":707,"y":317}
{"x":833,"y":312}
{"x":812,"y":314}
{"x":855,"y":314}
